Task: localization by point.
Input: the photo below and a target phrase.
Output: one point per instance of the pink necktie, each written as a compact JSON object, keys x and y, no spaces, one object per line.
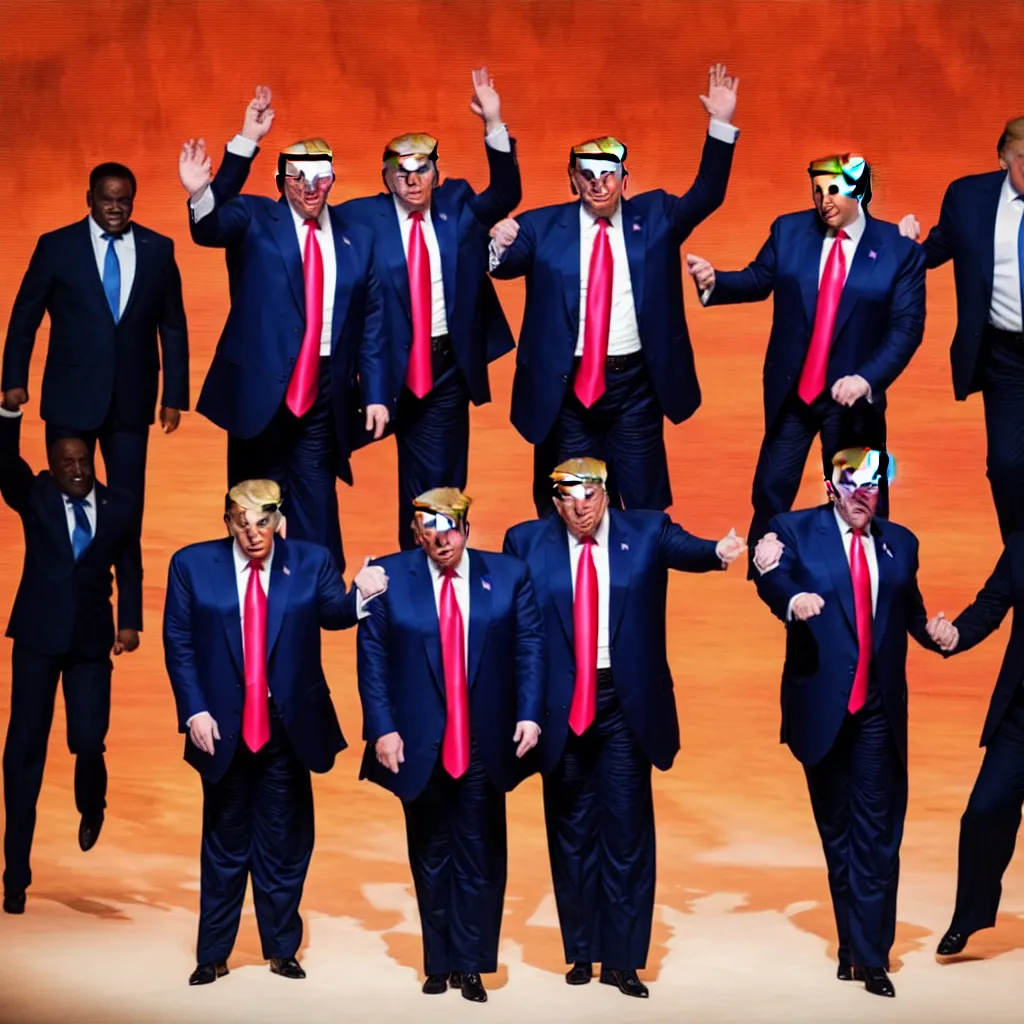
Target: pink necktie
{"x":812,"y":378}
{"x":584,"y":626}
{"x":305,"y":382}
{"x":255,"y":710}
{"x":863,"y":614}
{"x":419,"y":377}
{"x":589,"y":383}
{"x":455,"y":749}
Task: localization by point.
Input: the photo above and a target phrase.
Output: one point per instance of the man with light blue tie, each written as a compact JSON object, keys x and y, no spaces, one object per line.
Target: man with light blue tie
{"x":62,"y":626}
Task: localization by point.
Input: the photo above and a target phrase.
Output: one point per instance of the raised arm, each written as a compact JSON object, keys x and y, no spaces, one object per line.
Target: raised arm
{"x":505,"y":189}
{"x":16,"y":476}
{"x":179,"y":649}
{"x":985,"y":614}
{"x":26,"y":315}
{"x":727,"y":287}
{"x":683,"y":551}
{"x":513,"y":247}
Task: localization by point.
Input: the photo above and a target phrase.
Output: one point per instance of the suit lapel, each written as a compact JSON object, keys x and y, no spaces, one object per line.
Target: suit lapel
{"x":392,"y":252}
{"x":345,"y":274}
{"x":59,"y":519}
{"x":278,"y":590}
{"x":986,"y":224}
{"x":865,"y":259}
{"x":833,"y":552}
{"x":810,"y":261}
{"x":421,"y":590}
{"x":142,"y":266}
{"x":636,"y":249}
{"x":446,"y":231}
{"x":884,"y":558}
{"x":282,"y":228}
{"x":568,"y":241}
{"x":480,"y":601}
{"x":225,"y":585}
{"x":559,"y":573}
{"x":620,"y":567}
{"x":85,"y":257}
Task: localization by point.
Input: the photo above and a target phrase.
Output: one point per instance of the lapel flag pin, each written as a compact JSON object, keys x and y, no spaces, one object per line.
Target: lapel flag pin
{"x":625,"y":546}
{"x":486,"y":584}
{"x":443,"y":216}
{"x":885,"y":548}
{"x":872,"y":255}
{"x":636,"y":225}
{"x":286,"y":571}
{"x":344,"y":238}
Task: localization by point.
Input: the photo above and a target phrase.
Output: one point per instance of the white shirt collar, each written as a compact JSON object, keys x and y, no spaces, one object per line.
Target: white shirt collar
{"x":97,"y":232}
{"x":856,"y":229}
{"x":461,"y":570}
{"x":89,"y":499}
{"x":323,"y":220}
{"x":588,"y":220}
{"x":242,"y":561}
{"x":1008,"y":193}
{"x":404,"y":213}
{"x":600,"y":534}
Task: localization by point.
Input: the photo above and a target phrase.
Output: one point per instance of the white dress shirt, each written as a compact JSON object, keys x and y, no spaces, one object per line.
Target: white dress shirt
{"x":204,"y":205}
{"x":124,"y":249}
{"x":599,"y":553}
{"x":1005,"y":313}
{"x":438,"y":314}
{"x":460,"y":582}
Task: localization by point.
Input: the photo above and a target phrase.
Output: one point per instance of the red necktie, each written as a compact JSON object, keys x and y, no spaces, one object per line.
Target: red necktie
{"x":812,"y":378}
{"x":419,"y":377}
{"x":305,"y":382}
{"x":455,"y":749}
{"x":256,"y":709}
{"x":863,"y":614}
{"x":589,"y":383}
{"x":584,"y":626}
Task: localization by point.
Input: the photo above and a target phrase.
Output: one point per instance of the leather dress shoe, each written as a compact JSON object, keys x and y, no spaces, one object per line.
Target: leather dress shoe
{"x":14,"y":903}
{"x":287,"y":967}
{"x":876,"y":981}
{"x":626,"y":981}
{"x":89,"y":832}
{"x":473,"y":988}
{"x":206,"y":974}
{"x":435,"y":984}
{"x":455,"y":979}
{"x":844,"y":972}
{"x":581,"y":974}
{"x":953,"y":942}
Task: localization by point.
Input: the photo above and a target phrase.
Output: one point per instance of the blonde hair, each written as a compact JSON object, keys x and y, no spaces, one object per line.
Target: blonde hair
{"x":256,"y":496}
{"x":1013,"y":132}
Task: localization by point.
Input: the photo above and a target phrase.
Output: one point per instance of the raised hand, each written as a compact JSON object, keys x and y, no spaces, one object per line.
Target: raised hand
{"x":943,"y":632}
{"x":390,"y":751}
{"x":259,"y":115}
{"x":806,"y":606}
{"x":720,"y":102}
{"x":486,"y":102}
{"x":701,"y":271}
{"x":194,"y":167}
{"x":910,"y":227}
{"x":505,"y":232}
{"x":730,"y":547}
{"x":371,"y":580}
{"x":848,"y":390}
{"x":768,"y":552}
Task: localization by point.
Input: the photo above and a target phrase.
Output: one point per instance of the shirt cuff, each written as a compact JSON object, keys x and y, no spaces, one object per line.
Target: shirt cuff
{"x":705,"y":296}
{"x":768,"y":568}
{"x":241,"y":146}
{"x":499,"y":140}
{"x":495,"y":254}
{"x":789,"y":607}
{"x":188,"y":721}
{"x":361,"y":610}
{"x":203,"y":206}
{"x":8,"y":415}
{"x":723,"y":131}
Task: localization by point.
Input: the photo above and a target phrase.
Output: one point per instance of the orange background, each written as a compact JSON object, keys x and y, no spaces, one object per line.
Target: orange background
{"x":922,"y":89}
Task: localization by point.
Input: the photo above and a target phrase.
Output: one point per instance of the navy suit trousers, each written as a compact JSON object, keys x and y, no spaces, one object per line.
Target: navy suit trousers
{"x":1003,"y":390}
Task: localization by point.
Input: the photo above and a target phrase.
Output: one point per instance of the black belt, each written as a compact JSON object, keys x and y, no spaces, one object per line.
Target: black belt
{"x":1006,"y":337}
{"x":441,"y":345}
{"x":604,"y":679}
{"x":617,"y":364}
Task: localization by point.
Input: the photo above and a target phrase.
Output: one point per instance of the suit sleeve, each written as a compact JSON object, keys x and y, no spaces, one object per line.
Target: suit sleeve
{"x":174,"y":340}
{"x":335,"y":606}
{"x":917,"y":616}
{"x":372,"y":669}
{"x":26,"y":315}
{"x":228,"y":221}
{"x":504,"y":191}
{"x":530,"y":660}
{"x":985,"y":614}
{"x":508,"y":546}
{"x":16,"y":477}
{"x":685,"y":552}
{"x":706,"y":194}
{"x":128,"y":569}
{"x":938,"y":246}
{"x":179,"y":650}
{"x":752,"y":284}
{"x":517,"y":259}
{"x":906,"y":324}
{"x":373,"y":364}
{"x":777,"y":586}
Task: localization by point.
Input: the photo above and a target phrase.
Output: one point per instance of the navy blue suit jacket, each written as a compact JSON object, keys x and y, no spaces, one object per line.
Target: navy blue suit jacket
{"x":260,"y":343}
{"x":401,"y":672}
{"x":880,"y":321}
{"x":965,"y":234}
{"x":63,"y":606}
{"x":461,"y":219}
{"x":642,"y":547}
{"x":90,"y":358}
{"x":203,"y":647}
{"x":821,"y":652}
{"x":547,"y":253}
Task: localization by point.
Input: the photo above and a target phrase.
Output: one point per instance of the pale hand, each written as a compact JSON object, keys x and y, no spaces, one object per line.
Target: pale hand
{"x":527,"y":734}
{"x":768,"y":552}
{"x":377,"y":417}
{"x":259,"y":115}
{"x":390,"y":751}
{"x":701,"y":271}
{"x":14,"y":399}
{"x":730,"y":547}
{"x":486,"y":103}
{"x":720,"y":101}
{"x":505,"y":232}
{"x":170,"y":419}
{"x":910,"y":227}
{"x":371,"y":580}
{"x":202,"y":731}
{"x":195,"y":168}
{"x":943,"y":632}
{"x":127,"y":641}
{"x":848,"y":390}
{"x":806,"y":606}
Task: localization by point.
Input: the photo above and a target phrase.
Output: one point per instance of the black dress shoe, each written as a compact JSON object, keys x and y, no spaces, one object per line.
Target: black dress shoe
{"x":844,"y":972}
{"x":626,"y":981}
{"x":876,"y":981}
{"x":581,"y":974}
{"x":435,"y":984}
{"x":206,"y":974}
{"x":14,"y":903}
{"x":953,"y":942}
{"x":89,"y":832}
{"x":473,"y":988}
{"x":287,"y":967}
{"x":455,"y":979}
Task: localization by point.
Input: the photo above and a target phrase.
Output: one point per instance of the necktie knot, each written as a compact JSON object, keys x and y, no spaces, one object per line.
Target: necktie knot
{"x":78,"y":503}
{"x":449,"y":572}
{"x":110,"y":236}
{"x":255,"y":565}
{"x":858,"y":531}
{"x":312,"y":222}
{"x":588,"y":540}
{"x":841,"y":234}
{"x":416,"y":216}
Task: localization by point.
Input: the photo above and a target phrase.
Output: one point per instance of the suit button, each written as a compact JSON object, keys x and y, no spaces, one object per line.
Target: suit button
{"x":565,"y":706}
{"x":565,"y":378}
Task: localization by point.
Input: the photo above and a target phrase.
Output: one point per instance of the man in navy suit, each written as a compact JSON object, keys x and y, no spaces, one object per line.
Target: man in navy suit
{"x":981,"y":229}
{"x":242,"y":625}
{"x":601,"y":578}
{"x":62,"y":624}
{"x":451,"y":678}
{"x":604,"y":353}
{"x":845,"y":584}
{"x":305,"y":322}
{"x":847,"y":320}
{"x":110,"y":286}
{"x":444,"y":321}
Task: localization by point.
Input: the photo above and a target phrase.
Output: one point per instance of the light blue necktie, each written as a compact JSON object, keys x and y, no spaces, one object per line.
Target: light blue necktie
{"x":81,"y":538}
{"x":112,"y":276}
